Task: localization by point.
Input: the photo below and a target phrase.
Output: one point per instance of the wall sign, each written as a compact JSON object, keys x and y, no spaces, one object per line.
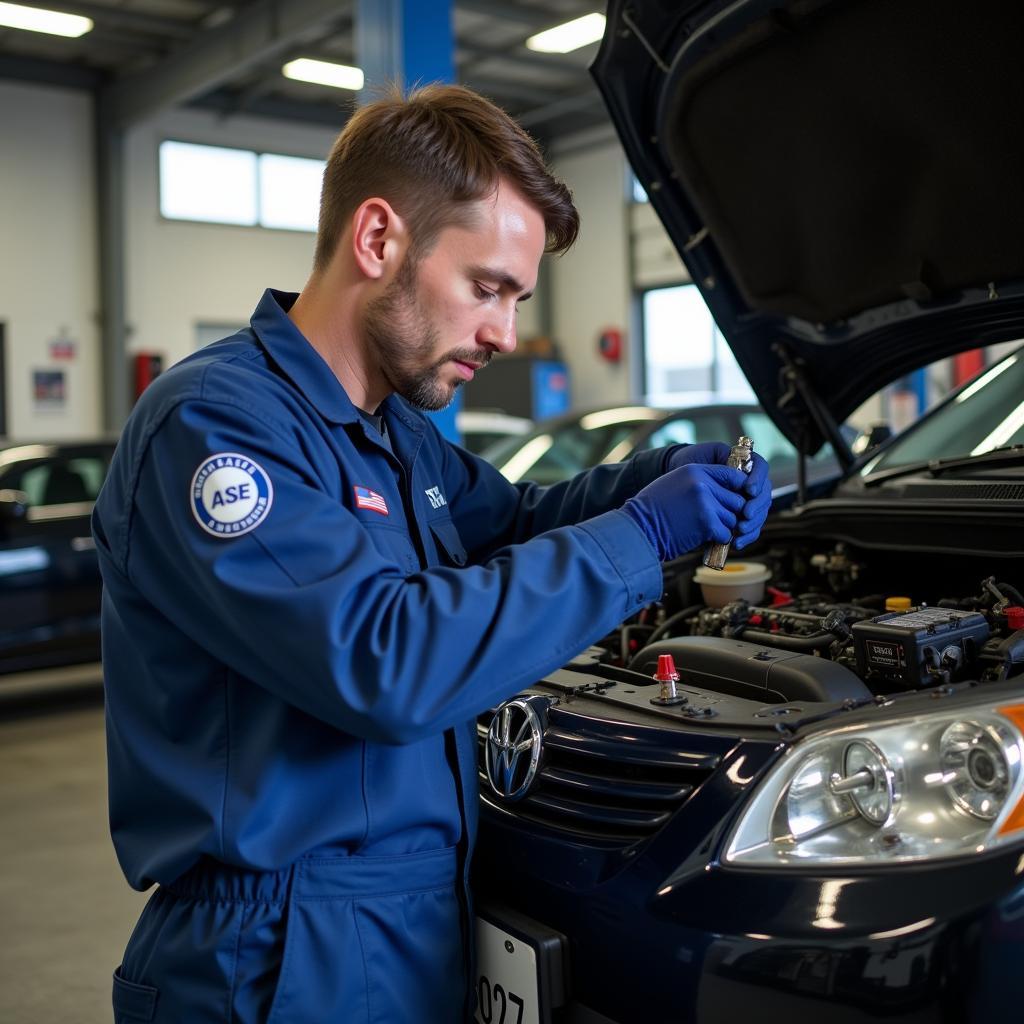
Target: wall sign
{"x":49,"y":392}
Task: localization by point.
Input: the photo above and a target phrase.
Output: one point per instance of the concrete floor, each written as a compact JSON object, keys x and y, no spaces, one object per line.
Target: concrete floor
{"x":65,"y":910}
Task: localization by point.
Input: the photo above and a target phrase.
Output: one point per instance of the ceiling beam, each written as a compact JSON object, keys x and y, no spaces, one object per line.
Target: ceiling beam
{"x":48,"y":72}
{"x":259,"y":32}
{"x":119,"y":17}
{"x":523,"y":14}
{"x":514,"y":51}
{"x":281,"y":108}
{"x":508,"y":89}
{"x":582,"y":101}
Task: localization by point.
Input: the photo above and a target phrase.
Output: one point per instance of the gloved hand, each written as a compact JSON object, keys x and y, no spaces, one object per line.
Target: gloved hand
{"x":688,"y":507}
{"x":758,"y":488}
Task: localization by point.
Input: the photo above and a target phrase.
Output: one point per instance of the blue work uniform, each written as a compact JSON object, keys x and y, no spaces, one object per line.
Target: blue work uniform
{"x":301,"y":620}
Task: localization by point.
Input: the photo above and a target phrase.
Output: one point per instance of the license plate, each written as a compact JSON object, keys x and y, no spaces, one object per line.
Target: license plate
{"x":519,"y":969}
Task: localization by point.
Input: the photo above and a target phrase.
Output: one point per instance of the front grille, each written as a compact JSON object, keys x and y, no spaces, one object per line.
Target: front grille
{"x":597,"y":786}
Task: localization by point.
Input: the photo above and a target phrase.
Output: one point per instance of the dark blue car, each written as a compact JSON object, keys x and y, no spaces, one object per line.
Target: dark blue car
{"x":49,"y":575}
{"x":816,"y":813}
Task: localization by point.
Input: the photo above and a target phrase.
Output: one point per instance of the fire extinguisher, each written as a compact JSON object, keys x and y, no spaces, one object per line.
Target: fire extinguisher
{"x":609,"y":344}
{"x":148,"y":366}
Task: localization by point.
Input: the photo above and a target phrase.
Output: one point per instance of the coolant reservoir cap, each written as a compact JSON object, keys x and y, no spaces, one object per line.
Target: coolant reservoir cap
{"x":897,"y":604}
{"x":734,"y":573}
{"x":666,"y":668}
{"x":1014,"y":617}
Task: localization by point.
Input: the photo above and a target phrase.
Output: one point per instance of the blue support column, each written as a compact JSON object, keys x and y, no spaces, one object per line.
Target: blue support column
{"x":410,"y":43}
{"x":919,"y":385}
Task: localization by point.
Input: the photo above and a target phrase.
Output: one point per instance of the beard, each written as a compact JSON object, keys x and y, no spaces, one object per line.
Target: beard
{"x":404,"y":340}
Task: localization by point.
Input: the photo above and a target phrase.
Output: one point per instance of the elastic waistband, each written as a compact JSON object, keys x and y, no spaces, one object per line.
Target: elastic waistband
{"x":315,"y":877}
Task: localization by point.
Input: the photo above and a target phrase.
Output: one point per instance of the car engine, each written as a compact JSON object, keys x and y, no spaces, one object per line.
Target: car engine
{"x":822,"y":625}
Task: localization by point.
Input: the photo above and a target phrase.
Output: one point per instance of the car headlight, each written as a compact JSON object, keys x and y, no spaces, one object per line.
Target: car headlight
{"x":938,"y":785}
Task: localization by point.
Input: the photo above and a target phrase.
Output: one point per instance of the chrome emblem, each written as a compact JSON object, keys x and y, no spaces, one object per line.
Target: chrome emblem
{"x":514,"y":741}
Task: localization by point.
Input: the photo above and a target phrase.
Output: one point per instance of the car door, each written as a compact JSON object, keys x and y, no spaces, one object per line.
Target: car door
{"x":49,"y":575}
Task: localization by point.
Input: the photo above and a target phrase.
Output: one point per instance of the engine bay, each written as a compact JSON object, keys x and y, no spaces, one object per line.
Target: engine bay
{"x":826,"y":623}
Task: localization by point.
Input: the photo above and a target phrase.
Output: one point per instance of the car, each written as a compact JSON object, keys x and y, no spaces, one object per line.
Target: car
{"x":49,"y":575}
{"x":481,"y":429}
{"x":558,"y":448}
{"x":795,"y":791}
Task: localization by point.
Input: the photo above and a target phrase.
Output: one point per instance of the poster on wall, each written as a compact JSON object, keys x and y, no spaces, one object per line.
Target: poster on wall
{"x":62,"y":348}
{"x":48,"y":390}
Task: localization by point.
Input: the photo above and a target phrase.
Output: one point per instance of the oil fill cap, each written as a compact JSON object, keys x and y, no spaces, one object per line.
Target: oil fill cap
{"x":897,"y":604}
{"x":666,"y":669}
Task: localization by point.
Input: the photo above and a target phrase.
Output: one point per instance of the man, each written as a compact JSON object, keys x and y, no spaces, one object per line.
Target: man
{"x":310,"y":595}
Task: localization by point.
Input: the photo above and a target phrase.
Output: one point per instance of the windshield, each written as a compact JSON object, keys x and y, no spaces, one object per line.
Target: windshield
{"x":987,"y":414}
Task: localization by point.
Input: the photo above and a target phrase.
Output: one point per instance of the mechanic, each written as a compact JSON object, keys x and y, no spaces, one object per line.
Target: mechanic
{"x":310,"y":594}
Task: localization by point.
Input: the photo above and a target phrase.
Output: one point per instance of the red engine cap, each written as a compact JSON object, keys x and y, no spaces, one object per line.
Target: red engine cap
{"x":666,"y":668}
{"x":1014,"y":616}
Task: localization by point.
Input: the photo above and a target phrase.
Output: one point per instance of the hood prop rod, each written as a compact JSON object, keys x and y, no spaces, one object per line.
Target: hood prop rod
{"x":796,"y":380}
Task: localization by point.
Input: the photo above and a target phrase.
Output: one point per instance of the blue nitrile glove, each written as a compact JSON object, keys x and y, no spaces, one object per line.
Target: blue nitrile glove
{"x":688,"y":507}
{"x":757,"y":488}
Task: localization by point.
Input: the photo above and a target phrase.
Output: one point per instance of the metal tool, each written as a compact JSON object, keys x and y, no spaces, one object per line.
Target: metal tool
{"x":741,"y":456}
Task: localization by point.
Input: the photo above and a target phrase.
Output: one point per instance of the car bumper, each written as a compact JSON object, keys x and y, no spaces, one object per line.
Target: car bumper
{"x":646,"y":942}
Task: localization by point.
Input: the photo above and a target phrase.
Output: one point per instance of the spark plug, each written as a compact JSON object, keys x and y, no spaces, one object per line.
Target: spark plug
{"x":740,"y":457}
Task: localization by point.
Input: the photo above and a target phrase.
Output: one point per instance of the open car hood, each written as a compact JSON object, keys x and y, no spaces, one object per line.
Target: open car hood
{"x":844,"y":180}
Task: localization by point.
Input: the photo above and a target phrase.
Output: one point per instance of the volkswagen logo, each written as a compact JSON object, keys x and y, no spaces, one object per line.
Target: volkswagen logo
{"x":514,"y":740}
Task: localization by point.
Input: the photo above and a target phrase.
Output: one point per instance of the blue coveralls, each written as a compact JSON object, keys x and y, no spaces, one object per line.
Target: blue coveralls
{"x":299,"y":628}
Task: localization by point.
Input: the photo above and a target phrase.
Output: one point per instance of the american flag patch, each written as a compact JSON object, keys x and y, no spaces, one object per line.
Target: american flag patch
{"x":365,"y":498}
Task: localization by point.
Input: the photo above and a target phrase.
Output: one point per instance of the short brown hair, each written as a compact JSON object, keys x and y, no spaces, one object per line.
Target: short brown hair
{"x":429,"y":154}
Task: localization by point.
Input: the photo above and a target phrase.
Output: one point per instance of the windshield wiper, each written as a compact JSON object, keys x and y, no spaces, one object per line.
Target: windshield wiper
{"x":1006,"y":454}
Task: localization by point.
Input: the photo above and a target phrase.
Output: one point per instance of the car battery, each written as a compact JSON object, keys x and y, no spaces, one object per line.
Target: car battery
{"x":915,"y":647}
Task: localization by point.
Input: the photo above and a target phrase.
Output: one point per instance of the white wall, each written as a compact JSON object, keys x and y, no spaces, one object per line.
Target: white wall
{"x":591,"y":283}
{"x":182,"y":274}
{"x":48,"y":262}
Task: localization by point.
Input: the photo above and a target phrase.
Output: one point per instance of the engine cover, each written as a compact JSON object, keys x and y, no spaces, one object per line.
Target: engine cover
{"x":753,"y":671}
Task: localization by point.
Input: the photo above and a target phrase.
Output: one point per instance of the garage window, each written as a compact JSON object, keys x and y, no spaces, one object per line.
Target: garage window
{"x":215,"y":184}
{"x":684,"y":351}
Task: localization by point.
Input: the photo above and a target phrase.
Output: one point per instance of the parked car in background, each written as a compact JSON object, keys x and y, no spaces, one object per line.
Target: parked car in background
{"x":49,"y":576}
{"x":558,"y":448}
{"x":483,"y":428}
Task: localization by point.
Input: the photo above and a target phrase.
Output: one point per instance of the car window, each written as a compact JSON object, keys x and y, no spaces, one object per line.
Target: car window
{"x":702,"y":426}
{"x":575,"y":449}
{"x":773,"y":444}
{"x":547,"y":456}
{"x":61,"y":481}
{"x":477,"y":441}
{"x":987,"y":414}
{"x":681,"y":431}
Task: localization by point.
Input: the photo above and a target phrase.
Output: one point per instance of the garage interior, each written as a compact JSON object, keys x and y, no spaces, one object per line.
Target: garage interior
{"x":108,"y":277}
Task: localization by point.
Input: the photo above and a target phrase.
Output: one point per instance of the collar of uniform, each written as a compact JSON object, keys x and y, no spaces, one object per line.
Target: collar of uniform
{"x":303,"y":365}
{"x":401,"y":411}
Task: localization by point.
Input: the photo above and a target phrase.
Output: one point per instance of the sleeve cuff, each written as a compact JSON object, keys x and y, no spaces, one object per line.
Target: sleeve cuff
{"x":631,"y":554}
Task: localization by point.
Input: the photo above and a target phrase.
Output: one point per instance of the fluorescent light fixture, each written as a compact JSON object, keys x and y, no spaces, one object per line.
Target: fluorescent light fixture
{"x":323,"y":72}
{"x":36,"y":19}
{"x":570,"y":36}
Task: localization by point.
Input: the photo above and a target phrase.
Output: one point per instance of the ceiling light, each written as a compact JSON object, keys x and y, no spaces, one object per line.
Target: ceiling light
{"x":35,"y":19}
{"x":323,"y":72}
{"x":570,"y":36}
